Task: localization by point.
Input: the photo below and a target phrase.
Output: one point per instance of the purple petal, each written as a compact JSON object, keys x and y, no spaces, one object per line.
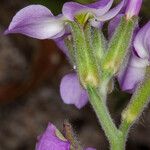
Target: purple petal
{"x":142,"y":42}
{"x":130,"y":76}
{"x":101,"y":7}
{"x":50,"y":141}
{"x":112,"y":13}
{"x":133,"y":8}
{"x":72,"y":92}
{"x":36,"y":21}
{"x":70,"y":9}
{"x":101,"y":4}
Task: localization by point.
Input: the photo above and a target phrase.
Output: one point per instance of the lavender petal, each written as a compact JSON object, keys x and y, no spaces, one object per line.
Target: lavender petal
{"x":49,"y":140}
{"x":142,"y":42}
{"x":72,"y":92}
{"x":133,"y":8}
{"x":133,"y":74}
{"x":36,"y":21}
{"x":70,"y":9}
{"x":112,"y":13}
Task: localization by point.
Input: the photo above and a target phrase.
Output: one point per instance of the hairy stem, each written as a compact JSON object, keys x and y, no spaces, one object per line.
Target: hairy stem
{"x":114,"y":136}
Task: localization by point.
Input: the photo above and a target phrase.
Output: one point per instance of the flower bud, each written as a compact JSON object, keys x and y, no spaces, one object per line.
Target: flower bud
{"x":133,"y":8}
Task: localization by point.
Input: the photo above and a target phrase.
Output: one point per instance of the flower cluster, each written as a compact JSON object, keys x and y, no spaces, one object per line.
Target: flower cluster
{"x":38,"y":22}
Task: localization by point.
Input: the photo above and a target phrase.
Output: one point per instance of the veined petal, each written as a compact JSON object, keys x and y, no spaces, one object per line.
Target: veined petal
{"x":70,"y":9}
{"x":133,"y":74}
{"x":112,"y":13}
{"x":36,"y":21}
{"x":72,"y":92}
{"x":142,"y":42}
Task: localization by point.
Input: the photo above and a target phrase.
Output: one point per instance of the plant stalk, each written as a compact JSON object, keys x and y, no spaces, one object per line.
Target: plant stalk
{"x":114,"y":136}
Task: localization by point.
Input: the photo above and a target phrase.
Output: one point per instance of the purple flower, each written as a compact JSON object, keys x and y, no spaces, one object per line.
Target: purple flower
{"x":49,"y":140}
{"x":72,"y":92}
{"x":133,"y":72}
{"x":70,"y":88}
{"x":52,"y":139}
{"x":38,"y":22}
{"x":100,"y":10}
{"x":133,"y":8}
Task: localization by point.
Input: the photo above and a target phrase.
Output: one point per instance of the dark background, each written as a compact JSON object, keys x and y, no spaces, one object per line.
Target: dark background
{"x":30,"y":73}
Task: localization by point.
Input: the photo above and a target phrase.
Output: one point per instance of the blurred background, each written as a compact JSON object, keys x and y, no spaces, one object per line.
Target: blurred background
{"x":30,"y":73}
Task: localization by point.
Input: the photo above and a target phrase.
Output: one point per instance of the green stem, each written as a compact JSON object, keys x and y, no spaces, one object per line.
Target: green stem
{"x":120,"y":145}
{"x":138,"y":102}
{"x":114,"y":136}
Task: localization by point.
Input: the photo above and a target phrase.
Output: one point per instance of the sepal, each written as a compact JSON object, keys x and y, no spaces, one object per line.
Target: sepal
{"x":118,"y":47}
{"x":99,"y":43}
{"x":85,"y":60}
